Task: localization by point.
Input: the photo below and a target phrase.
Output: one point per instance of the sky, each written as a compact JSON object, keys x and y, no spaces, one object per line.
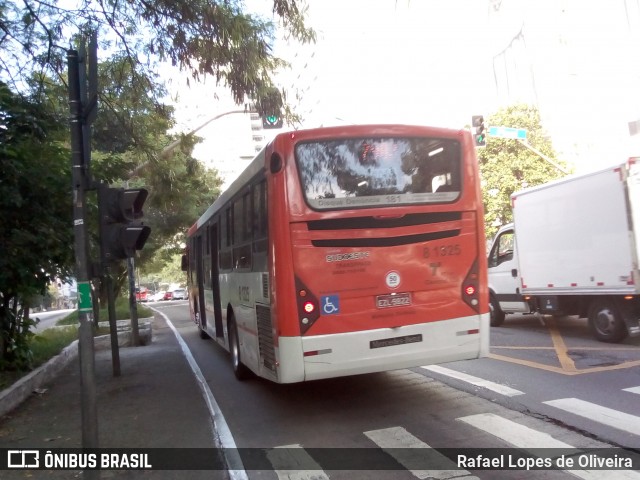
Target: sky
{"x":430,"y":62}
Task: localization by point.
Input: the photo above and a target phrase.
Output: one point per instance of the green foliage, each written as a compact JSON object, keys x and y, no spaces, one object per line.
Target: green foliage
{"x":180,"y":187}
{"x":166,"y":268}
{"x":507,"y":166}
{"x":215,"y":38}
{"x":51,"y":342}
{"x":42,"y":348}
{"x":130,"y":133}
{"x":35,"y":207}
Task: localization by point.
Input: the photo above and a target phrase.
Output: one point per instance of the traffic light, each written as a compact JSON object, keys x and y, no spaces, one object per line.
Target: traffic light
{"x":271,"y":120}
{"x":120,"y":232}
{"x":479,"y":135}
{"x":269,"y":105}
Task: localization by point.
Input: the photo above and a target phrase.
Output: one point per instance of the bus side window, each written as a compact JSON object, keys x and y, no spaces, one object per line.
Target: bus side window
{"x":225,"y":253}
{"x":260,"y":217}
{"x":242,"y":232}
{"x":206,"y":257}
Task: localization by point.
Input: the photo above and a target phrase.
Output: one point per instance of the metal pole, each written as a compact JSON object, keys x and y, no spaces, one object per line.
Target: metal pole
{"x":133,"y":306}
{"x":113,"y":324}
{"x":85,"y":341}
{"x":172,"y":146}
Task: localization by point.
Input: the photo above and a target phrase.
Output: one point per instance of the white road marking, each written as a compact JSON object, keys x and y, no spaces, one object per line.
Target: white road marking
{"x":495,"y":387}
{"x":398,"y":443}
{"x":526,"y":438}
{"x":632,"y":390}
{"x":514,"y":433}
{"x":295,"y":455}
{"x":221,"y":429}
{"x":607,"y":416}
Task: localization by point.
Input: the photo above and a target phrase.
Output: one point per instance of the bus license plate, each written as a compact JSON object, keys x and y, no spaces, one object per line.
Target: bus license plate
{"x":392,"y":342}
{"x":397,"y":300}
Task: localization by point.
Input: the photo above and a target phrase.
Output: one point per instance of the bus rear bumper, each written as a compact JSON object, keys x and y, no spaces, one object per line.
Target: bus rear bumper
{"x":327,"y":356}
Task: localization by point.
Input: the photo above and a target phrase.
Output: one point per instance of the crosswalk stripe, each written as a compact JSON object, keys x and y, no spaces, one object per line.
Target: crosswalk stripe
{"x":632,"y":390}
{"x":284,"y":455}
{"x":526,"y":438}
{"x":514,"y":433}
{"x":607,"y":416}
{"x":495,"y":387}
{"x":398,"y":442}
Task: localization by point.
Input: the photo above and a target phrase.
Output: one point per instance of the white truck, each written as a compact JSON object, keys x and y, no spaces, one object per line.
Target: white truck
{"x":573,"y":249}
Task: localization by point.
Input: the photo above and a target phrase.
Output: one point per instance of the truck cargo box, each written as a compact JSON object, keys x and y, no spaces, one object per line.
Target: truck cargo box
{"x":576,"y":235}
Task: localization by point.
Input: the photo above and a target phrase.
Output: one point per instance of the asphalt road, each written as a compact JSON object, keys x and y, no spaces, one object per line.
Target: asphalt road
{"x":561,"y":372}
{"x":49,"y":319}
{"x":393,"y":410}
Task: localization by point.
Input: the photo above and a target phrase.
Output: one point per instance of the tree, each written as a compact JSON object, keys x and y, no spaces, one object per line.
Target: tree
{"x":180,"y":187}
{"x":202,"y":37}
{"x":507,"y":166}
{"x":35,"y":207}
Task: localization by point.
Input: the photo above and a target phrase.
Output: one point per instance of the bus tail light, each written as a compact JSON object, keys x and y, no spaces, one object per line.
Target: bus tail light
{"x":308,"y":306}
{"x":470,"y":287}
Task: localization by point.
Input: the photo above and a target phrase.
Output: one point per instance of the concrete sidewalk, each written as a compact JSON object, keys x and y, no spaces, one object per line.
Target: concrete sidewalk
{"x":155,"y":403}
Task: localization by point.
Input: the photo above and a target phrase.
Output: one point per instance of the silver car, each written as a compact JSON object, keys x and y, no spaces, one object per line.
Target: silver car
{"x":179,"y":294}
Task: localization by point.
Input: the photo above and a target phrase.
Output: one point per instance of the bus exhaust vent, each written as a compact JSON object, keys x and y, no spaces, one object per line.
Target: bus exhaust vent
{"x":265,"y":337}
{"x":265,"y":285}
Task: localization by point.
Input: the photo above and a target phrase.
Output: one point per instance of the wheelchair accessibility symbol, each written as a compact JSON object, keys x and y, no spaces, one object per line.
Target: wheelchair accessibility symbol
{"x":330,"y":304}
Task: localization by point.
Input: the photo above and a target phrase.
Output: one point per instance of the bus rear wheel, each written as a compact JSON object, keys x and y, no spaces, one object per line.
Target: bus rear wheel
{"x":239,"y":369}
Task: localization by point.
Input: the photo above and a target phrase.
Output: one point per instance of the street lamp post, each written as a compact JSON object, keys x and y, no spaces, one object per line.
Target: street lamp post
{"x":173,"y":145}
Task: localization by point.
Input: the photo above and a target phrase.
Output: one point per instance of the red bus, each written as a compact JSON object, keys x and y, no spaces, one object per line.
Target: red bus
{"x":345,"y":250}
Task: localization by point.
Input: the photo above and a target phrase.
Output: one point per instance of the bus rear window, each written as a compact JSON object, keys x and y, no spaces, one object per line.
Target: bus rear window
{"x":368,"y":172}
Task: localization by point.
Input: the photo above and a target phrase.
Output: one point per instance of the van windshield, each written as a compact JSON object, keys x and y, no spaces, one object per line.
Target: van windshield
{"x":367,"y":172}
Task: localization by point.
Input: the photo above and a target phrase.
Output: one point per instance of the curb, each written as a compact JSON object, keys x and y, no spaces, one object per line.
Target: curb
{"x":15,"y":394}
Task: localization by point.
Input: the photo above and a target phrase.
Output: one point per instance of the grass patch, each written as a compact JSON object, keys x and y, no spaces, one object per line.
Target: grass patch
{"x":122,"y":313}
{"x":44,"y":346}
{"x":50,"y":342}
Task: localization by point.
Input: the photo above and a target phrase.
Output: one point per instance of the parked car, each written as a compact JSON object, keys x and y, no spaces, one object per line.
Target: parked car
{"x":168,"y":296}
{"x":158,"y":296}
{"x":180,"y":294}
{"x":142,"y":294}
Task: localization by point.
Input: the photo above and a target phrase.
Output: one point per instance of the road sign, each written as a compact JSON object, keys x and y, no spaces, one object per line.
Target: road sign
{"x":508,"y":132}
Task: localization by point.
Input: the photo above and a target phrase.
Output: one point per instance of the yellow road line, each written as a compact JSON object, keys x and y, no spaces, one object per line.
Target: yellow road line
{"x":561,"y":349}
{"x":609,"y":348}
{"x":549,"y":368}
{"x":567,"y":365}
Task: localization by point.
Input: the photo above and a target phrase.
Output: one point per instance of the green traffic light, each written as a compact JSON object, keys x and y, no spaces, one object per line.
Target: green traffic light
{"x":272,"y":119}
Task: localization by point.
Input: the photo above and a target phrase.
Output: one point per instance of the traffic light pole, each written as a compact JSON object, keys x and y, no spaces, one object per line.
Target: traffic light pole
{"x":133,"y":306}
{"x":80,"y":183}
{"x":113,"y":324}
